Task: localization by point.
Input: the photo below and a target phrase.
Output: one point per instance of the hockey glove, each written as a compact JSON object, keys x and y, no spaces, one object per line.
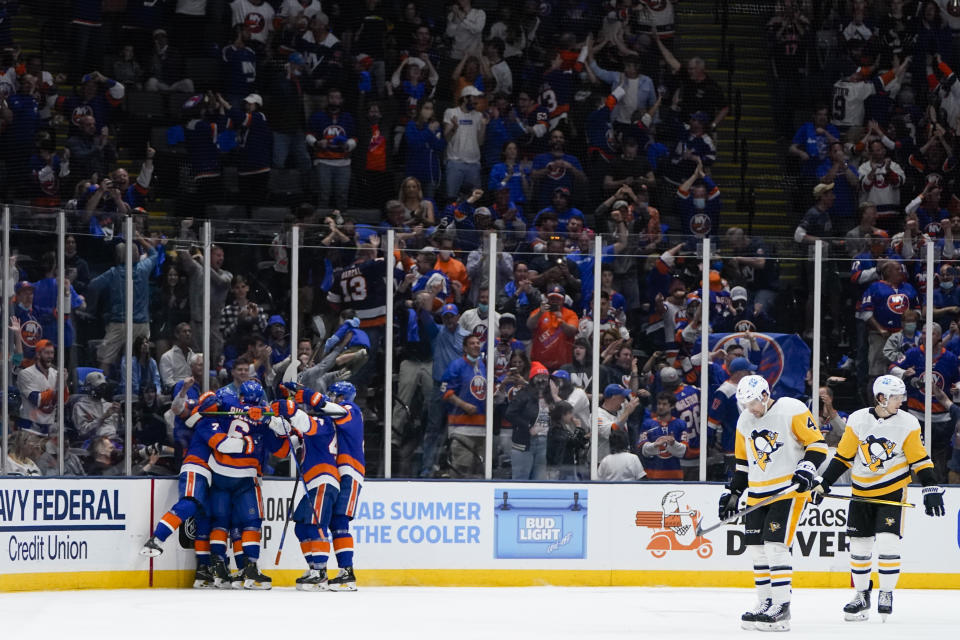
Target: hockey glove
{"x":729,"y":503}
{"x":933,"y":501}
{"x":308,"y":396}
{"x":207,"y":402}
{"x":805,"y":476}
{"x":819,"y":490}
{"x":231,"y":445}
{"x":279,"y":426}
{"x":284,"y":408}
{"x":255,"y":413}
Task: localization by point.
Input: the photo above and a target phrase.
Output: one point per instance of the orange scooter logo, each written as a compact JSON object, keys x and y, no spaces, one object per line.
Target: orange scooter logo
{"x":676,"y":528}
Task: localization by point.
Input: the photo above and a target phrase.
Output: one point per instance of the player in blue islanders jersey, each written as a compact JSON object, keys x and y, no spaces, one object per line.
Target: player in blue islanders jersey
{"x":881,"y":446}
{"x":351,"y":465}
{"x":320,"y":474}
{"x":238,"y":447}
{"x":723,"y":413}
{"x":778,"y":451}
{"x":661,"y":441}
{"x":225,"y":399}
{"x":194,"y":488}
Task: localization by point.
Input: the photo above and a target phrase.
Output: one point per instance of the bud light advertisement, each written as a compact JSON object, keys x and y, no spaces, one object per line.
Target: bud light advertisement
{"x":540,"y":523}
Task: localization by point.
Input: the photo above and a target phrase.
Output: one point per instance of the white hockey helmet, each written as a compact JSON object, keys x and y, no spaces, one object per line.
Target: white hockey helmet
{"x":889,"y":386}
{"x":752,"y":388}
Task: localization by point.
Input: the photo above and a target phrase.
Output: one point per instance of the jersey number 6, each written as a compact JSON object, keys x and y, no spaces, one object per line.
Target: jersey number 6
{"x":241,"y":427}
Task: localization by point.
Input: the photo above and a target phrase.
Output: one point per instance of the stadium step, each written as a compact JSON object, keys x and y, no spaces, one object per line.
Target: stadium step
{"x":701,"y":34}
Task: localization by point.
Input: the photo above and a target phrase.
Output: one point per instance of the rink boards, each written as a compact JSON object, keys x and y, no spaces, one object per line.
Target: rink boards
{"x":86,"y":533}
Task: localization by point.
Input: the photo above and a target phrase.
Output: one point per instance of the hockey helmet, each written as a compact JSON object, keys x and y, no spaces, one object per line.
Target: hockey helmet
{"x":752,"y":388}
{"x":251,"y":393}
{"x":889,"y":386}
{"x":343,"y":389}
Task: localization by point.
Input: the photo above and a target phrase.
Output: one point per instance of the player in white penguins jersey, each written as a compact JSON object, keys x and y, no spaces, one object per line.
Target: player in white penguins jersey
{"x":881,"y":445}
{"x":778,"y":445}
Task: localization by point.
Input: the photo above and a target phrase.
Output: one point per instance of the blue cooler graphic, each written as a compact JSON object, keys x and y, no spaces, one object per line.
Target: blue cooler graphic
{"x":540,"y":523}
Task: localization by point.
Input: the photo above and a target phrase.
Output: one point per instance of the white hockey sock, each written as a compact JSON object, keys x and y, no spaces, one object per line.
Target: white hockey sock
{"x":861,"y":562}
{"x":761,"y":572}
{"x":781,"y":571}
{"x":888,"y":560}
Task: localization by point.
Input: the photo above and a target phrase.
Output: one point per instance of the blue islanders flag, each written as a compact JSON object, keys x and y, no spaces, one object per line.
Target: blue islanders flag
{"x":784,"y":359}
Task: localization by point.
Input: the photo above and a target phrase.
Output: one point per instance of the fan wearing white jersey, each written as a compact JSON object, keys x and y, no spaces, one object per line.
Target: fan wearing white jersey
{"x":881,"y":446}
{"x":778,"y":450}
{"x":849,"y":94}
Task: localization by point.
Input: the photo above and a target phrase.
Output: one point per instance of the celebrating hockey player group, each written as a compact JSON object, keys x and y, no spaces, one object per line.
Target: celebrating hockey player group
{"x":234,"y":433}
{"x":779,"y":449}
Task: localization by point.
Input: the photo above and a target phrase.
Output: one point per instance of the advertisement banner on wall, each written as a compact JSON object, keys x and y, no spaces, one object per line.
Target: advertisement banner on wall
{"x":463,"y":533}
{"x":71,"y":525}
{"x":540,"y":523}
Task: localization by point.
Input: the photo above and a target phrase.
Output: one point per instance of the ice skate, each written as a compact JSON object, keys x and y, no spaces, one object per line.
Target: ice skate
{"x":151,"y":547}
{"x":345,"y":580}
{"x":233,"y":580}
{"x":885,"y":604}
{"x":253,"y":579}
{"x":204,"y":578}
{"x":858,"y":609}
{"x":313,"y":580}
{"x":776,"y":618}
{"x":221,"y":577}
{"x":748,"y":619}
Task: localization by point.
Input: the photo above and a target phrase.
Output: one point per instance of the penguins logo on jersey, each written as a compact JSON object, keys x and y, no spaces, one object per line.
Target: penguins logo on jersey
{"x":774,"y":527}
{"x":876,"y":451}
{"x":890,"y":521}
{"x":764,"y":444}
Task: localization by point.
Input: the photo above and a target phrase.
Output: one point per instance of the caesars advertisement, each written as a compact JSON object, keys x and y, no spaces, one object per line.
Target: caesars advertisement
{"x":640,"y":530}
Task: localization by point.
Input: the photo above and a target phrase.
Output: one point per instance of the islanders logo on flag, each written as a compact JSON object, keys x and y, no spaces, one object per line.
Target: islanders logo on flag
{"x":772,"y":359}
{"x":783,"y":359}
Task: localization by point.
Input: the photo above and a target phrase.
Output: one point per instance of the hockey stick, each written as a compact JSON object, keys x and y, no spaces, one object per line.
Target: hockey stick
{"x":892,"y":503}
{"x":234,"y":413}
{"x":286,"y":525}
{"x":306,"y":489}
{"x":700,"y":530}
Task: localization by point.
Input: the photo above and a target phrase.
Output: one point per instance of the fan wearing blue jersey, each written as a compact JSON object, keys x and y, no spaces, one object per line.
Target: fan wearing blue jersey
{"x":320,"y":475}
{"x":882,"y":308}
{"x":661,"y":441}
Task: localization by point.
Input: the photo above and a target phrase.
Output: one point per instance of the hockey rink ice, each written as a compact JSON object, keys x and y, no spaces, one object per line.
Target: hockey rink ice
{"x":458,"y":613}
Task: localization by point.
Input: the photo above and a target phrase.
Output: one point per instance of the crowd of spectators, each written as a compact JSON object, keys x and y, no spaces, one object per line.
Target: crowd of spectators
{"x":551,"y":122}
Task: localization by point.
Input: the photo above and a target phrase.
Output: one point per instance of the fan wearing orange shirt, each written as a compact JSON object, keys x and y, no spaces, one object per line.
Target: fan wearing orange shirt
{"x":454,"y":269}
{"x":553,"y":327}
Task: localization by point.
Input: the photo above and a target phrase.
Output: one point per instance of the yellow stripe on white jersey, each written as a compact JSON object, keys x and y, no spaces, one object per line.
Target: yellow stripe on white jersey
{"x":881,"y":452}
{"x":774,"y":444}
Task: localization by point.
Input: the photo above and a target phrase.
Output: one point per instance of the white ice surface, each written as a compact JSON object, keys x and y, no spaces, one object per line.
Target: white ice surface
{"x":393,"y":613}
